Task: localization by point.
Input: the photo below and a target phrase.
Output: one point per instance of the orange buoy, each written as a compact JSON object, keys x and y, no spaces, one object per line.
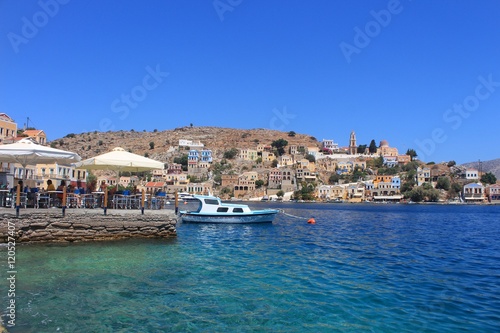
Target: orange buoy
{"x":185,"y":202}
{"x":311,"y":221}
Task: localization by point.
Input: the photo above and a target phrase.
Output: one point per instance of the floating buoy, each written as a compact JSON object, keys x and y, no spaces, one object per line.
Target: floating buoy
{"x":185,"y":202}
{"x":311,"y":221}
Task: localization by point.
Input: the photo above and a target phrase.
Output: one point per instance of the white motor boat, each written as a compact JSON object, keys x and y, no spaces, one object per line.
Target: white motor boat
{"x":212,"y":210}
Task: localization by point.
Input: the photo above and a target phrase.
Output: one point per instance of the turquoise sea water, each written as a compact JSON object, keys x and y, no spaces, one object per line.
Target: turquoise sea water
{"x":360,"y":268}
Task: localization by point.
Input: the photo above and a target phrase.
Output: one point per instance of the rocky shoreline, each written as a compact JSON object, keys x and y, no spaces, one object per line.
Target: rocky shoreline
{"x":79,"y":225}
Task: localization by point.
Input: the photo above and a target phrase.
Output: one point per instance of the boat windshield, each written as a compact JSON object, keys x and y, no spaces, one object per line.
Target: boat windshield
{"x":211,"y":201}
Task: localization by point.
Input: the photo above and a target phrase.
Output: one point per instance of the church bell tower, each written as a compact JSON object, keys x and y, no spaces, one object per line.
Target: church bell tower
{"x":353,"y":148}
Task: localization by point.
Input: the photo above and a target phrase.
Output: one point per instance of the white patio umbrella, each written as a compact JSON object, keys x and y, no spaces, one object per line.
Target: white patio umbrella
{"x":120,"y":160}
{"x":28,"y":152}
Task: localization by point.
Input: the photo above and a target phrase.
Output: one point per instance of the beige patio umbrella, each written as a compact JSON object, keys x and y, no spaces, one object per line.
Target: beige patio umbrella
{"x":119,"y":160}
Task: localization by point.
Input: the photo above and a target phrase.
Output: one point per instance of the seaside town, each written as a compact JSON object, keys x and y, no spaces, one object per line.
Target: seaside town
{"x":321,"y":171}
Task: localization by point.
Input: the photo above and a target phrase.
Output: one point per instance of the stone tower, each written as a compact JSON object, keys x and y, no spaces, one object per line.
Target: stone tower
{"x":353,"y":148}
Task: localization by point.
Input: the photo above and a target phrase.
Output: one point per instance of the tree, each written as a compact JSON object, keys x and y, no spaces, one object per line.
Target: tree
{"x":412,"y":153}
{"x":443,"y":183}
{"x":373,"y":147}
{"x":91,"y":181}
{"x":231,"y":153}
{"x":361,"y":149}
{"x":259,"y":183}
{"x":291,"y":133}
{"x":280,"y":194}
{"x":280,"y":145}
{"x":488,"y":178}
{"x":183,"y":160}
{"x":454,"y":190}
{"x":334,"y":178}
{"x":357,"y":174}
{"x":151,"y":145}
{"x":451,"y":163}
{"x":258,"y":160}
{"x":310,"y":158}
{"x":274,"y":163}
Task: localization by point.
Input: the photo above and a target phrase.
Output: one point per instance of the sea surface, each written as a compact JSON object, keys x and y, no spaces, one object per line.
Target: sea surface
{"x":360,"y":268}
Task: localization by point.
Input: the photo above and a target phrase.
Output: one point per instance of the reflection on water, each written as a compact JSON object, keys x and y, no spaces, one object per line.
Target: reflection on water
{"x":381,"y":268}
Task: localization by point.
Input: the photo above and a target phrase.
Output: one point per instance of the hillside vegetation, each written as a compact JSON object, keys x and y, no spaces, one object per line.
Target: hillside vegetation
{"x":160,"y":145}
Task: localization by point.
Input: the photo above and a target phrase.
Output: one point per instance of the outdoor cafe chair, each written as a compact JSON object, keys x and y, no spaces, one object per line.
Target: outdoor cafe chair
{"x":88,"y":201}
{"x":23,"y":202}
{"x":42,"y":200}
{"x":72,"y":200}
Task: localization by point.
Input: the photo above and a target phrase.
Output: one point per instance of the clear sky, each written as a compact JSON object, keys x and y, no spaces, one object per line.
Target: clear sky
{"x":420,"y":74}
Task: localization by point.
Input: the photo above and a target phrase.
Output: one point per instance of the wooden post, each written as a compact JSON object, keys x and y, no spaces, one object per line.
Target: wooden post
{"x":176,"y":203}
{"x":18,"y":199}
{"x":143,"y":197}
{"x":64,"y":201}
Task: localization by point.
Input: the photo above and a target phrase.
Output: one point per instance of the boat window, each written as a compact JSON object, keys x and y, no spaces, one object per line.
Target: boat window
{"x":238,"y":210}
{"x":222,"y":209}
{"x":211,"y":201}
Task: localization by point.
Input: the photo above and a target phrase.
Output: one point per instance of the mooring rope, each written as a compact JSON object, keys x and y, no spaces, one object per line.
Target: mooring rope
{"x":295,"y":216}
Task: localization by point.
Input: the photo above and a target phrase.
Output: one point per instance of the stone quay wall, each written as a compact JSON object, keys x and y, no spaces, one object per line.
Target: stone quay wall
{"x":79,"y":225}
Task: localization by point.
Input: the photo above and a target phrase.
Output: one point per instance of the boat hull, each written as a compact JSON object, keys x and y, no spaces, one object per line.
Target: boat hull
{"x":266,"y":217}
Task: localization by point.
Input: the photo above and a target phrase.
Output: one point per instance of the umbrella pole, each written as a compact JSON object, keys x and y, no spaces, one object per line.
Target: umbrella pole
{"x":18,"y":199}
{"x":105,"y":206}
{"x":64,"y":202}
{"x":142,"y":201}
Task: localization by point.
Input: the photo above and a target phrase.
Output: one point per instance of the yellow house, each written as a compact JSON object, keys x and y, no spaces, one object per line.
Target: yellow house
{"x":38,"y":135}
{"x":285,"y":160}
{"x":8,"y":127}
{"x":248,"y":154}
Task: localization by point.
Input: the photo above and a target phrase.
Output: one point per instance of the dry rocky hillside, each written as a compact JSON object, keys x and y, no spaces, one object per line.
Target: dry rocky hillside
{"x":492,"y":166}
{"x":165,"y":142}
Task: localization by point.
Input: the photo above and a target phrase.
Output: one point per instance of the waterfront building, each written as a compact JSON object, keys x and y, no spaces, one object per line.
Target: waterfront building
{"x":356,"y":192}
{"x":493,"y":193}
{"x":246,"y":184}
{"x":474,"y":192}
{"x":204,"y":188}
{"x":229,"y":180}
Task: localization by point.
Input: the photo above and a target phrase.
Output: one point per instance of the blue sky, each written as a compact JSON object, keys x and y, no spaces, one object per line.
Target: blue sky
{"x":419,"y":74}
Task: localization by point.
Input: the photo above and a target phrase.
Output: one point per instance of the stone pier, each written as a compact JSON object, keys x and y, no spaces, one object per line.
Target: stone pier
{"x":83,"y":225}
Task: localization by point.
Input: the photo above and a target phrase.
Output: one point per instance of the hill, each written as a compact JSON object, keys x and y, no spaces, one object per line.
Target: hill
{"x":165,"y":142}
{"x":492,"y":166}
